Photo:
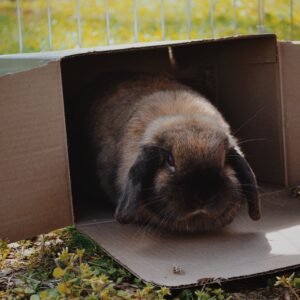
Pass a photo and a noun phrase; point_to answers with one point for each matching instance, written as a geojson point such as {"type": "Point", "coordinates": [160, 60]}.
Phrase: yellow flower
{"type": "Point", "coordinates": [58, 272]}
{"type": "Point", "coordinates": [44, 295]}
{"type": "Point", "coordinates": [85, 270]}
{"type": "Point", "coordinates": [80, 252]}
{"type": "Point", "coordinates": [64, 255]}
{"type": "Point", "coordinates": [105, 295]}
{"type": "Point", "coordinates": [62, 288]}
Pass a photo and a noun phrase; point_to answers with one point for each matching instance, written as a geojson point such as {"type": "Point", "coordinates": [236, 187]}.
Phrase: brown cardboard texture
{"type": "Point", "coordinates": [34, 180]}
{"type": "Point", "coordinates": [251, 79]}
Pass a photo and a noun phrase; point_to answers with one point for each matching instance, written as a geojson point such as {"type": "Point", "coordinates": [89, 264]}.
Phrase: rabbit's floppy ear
{"type": "Point", "coordinates": [140, 179]}
{"type": "Point", "coordinates": [247, 180]}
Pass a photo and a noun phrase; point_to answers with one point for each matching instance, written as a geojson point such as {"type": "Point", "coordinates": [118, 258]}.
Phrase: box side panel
{"type": "Point", "coordinates": [243, 79]}
{"type": "Point", "coordinates": [290, 80]}
{"type": "Point", "coordinates": [249, 98]}
{"type": "Point", "coordinates": [34, 178]}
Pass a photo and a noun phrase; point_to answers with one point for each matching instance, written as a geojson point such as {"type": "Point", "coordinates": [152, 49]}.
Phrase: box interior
{"type": "Point", "coordinates": [237, 75]}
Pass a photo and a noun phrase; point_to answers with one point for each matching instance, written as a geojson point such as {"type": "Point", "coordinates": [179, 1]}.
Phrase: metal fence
{"type": "Point", "coordinates": [261, 28]}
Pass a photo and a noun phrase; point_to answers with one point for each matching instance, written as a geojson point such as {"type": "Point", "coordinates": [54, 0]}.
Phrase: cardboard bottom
{"type": "Point", "coordinates": [243, 249]}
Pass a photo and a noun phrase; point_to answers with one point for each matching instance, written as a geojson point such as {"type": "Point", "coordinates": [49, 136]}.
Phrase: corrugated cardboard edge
{"type": "Point", "coordinates": [56, 55]}
{"type": "Point", "coordinates": [66, 149]}
{"type": "Point", "coordinates": [283, 121]}
{"type": "Point", "coordinates": [19, 64]}
{"type": "Point", "coordinates": [164, 44]}
{"type": "Point", "coordinates": [64, 130]}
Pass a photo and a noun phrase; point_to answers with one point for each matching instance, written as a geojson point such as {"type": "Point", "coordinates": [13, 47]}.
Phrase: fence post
{"type": "Point", "coordinates": [135, 22]}
{"type": "Point", "coordinates": [107, 18]}
{"type": "Point", "coordinates": [292, 18]}
{"type": "Point", "coordinates": [79, 35]}
{"type": "Point", "coordinates": [188, 12]}
{"type": "Point", "coordinates": [234, 17]}
{"type": "Point", "coordinates": [162, 19]}
{"type": "Point", "coordinates": [49, 25]}
{"type": "Point", "coordinates": [212, 25]}
{"type": "Point", "coordinates": [261, 16]}
{"type": "Point", "coordinates": [20, 34]}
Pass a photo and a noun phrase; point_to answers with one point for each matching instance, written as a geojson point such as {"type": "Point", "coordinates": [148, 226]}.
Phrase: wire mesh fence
{"type": "Point", "coordinates": [42, 25]}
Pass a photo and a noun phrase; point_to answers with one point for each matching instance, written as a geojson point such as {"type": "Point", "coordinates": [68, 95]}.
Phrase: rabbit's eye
{"type": "Point", "coordinates": [170, 162]}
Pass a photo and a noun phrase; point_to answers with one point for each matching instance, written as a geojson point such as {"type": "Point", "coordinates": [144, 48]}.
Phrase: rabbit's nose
{"type": "Point", "coordinates": [206, 200]}
{"type": "Point", "coordinates": [205, 193]}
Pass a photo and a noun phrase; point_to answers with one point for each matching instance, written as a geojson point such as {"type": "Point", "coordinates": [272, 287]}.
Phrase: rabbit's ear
{"type": "Point", "coordinates": [140, 180]}
{"type": "Point", "coordinates": [247, 180]}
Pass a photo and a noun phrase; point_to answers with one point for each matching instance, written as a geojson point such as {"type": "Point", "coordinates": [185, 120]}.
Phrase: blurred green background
{"type": "Point", "coordinates": [65, 33]}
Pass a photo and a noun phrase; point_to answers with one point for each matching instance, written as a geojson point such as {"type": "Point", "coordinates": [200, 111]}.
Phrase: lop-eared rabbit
{"type": "Point", "coordinates": [165, 156]}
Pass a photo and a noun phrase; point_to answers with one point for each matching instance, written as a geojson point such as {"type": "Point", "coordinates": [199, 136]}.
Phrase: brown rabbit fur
{"type": "Point", "coordinates": [166, 157]}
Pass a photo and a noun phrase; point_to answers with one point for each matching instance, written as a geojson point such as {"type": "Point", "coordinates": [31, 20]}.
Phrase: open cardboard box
{"type": "Point", "coordinates": [254, 81]}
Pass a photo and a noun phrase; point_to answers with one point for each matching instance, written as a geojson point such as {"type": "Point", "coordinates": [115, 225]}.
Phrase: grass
{"type": "Point", "coordinates": [65, 33]}
{"type": "Point", "coordinates": [67, 265]}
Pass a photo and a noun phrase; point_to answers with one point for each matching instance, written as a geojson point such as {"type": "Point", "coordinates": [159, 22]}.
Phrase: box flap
{"type": "Point", "coordinates": [290, 74]}
{"type": "Point", "coordinates": [34, 178]}
{"type": "Point", "coordinates": [243, 249]}
{"type": "Point", "coordinates": [20, 63]}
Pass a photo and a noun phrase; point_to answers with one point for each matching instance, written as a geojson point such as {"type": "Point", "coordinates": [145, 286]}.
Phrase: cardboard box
{"type": "Point", "coordinates": [254, 82]}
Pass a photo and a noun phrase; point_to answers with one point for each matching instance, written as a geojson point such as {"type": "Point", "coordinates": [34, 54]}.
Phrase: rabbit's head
{"type": "Point", "coordinates": [189, 175]}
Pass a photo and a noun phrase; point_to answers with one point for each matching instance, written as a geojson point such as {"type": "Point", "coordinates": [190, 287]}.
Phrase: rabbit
{"type": "Point", "coordinates": [165, 156]}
